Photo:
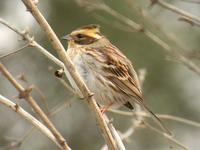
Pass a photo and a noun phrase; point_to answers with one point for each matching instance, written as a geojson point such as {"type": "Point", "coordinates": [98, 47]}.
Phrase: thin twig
{"type": "Point", "coordinates": [131, 130]}
{"type": "Point", "coordinates": [61, 106]}
{"type": "Point", "coordinates": [169, 35]}
{"type": "Point", "coordinates": [14, 51]}
{"type": "Point", "coordinates": [192, 1]}
{"type": "Point", "coordinates": [24, 93]}
{"type": "Point", "coordinates": [172, 38]}
{"type": "Point", "coordinates": [42, 98]}
{"type": "Point", "coordinates": [67, 87]}
{"type": "Point", "coordinates": [162, 116]}
{"type": "Point", "coordinates": [16, 143]}
{"type": "Point", "coordinates": [115, 134]}
{"type": "Point", "coordinates": [176, 10]}
{"type": "Point", "coordinates": [190, 21]}
{"type": "Point", "coordinates": [73, 73]}
{"type": "Point", "coordinates": [25, 35]}
{"type": "Point", "coordinates": [15, 107]}
{"type": "Point", "coordinates": [166, 136]}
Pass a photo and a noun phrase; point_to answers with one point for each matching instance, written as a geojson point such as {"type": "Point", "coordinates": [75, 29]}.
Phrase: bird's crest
{"type": "Point", "coordinates": [91, 30]}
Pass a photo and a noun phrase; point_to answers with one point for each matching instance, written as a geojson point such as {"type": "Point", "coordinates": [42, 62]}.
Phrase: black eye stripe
{"type": "Point", "coordinates": [80, 35]}
{"type": "Point", "coordinates": [84, 39]}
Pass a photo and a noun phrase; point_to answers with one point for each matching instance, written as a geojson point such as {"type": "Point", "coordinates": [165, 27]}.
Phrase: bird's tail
{"type": "Point", "coordinates": [157, 120]}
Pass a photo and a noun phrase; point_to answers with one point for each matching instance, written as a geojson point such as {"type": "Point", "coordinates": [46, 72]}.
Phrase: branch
{"type": "Point", "coordinates": [189, 21]}
{"type": "Point", "coordinates": [31, 42]}
{"type": "Point", "coordinates": [15, 107]}
{"type": "Point", "coordinates": [176, 10]}
{"type": "Point", "coordinates": [162, 116]}
{"type": "Point", "coordinates": [73, 73]}
{"type": "Point", "coordinates": [24, 93]}
{"type": "Point", "coordinates": [192, 1]}
{"type": "Point", "coordinates": [14, 51]}
{"type": "Point", "coordinates": [167, 136]}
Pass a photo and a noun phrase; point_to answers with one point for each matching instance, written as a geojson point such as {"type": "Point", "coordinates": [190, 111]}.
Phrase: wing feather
{"type": "Point", "coordinates": [118, 69]}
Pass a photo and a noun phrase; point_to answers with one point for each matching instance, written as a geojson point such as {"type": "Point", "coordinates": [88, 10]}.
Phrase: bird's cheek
{"type": "Point", "coordinates": [71, 44]}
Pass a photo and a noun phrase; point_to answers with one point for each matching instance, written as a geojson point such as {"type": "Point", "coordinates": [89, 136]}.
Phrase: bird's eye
{"type": "Point", "coordinates": [80, 36]}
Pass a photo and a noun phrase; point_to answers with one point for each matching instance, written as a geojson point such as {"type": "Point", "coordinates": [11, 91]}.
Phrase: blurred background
{"type": "Point", "coordinates": [169, 88]}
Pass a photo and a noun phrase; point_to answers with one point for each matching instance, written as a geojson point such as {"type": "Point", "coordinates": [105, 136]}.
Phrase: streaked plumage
{"type": "Point", "coordinates": [106, 71]}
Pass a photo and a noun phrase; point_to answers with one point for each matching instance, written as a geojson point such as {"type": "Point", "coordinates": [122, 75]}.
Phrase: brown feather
{"type": "Point", "coordinates": [112, 74]}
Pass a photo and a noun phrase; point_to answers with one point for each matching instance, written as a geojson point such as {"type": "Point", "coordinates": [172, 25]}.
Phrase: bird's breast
{"type": "Point", "coordinates": [79, 60]}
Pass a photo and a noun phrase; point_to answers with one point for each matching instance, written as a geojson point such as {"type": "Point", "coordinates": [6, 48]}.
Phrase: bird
{"type": "Point", "coordinates": [106, 71]}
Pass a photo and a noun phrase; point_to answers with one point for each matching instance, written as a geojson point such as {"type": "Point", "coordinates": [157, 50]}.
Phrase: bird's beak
{"type": "Point", "coordinates": [67, 37]}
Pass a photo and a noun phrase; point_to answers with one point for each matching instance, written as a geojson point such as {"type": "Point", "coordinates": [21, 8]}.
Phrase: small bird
{"type": "Point", "coordinates": [107, 72]}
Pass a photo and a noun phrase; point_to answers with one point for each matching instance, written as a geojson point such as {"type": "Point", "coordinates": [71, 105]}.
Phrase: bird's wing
{"type": "Point", "coordinates": [118, 70]}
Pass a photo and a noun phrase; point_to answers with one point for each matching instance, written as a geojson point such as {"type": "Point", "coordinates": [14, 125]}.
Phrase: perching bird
{"type": "Point", "coordinates": [107, 72]}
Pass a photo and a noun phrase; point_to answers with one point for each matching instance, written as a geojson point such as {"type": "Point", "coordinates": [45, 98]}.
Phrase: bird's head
{"type": "Point", "coordinates": [85, 35]}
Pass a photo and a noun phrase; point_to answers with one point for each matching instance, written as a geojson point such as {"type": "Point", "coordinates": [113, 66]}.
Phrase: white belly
{"type": "Point", "coordinates": [81, 68]}
{"type": "Point", "coordinates": [102, 94]}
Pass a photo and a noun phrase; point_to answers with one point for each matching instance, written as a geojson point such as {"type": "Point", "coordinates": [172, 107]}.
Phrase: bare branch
{"type": "Point", "coordinates": [176, 10]}
{"type": "Point", "coordinates": [14, 51]}
{"type": "Point", "coordinates": [24, 93]}
{"type": "Point", "coordinates": [131, 130]}
{"type": "Point", "coordinates": [162, 116]}
{"type": "Point", "coordinates": [15, 107]}
{"type": "Point", "coordinates": [190, 21]}
{"type": "Point", "coordinates": [25, 35]}
{"type": "Point", "coordinates": [73, 73]}
{"type": "Point", "coordinates": [167, 136]}
{"type": "Point", "coordinates": [115, 134]}
{"type": "Point", "coordinates": [191, 1]}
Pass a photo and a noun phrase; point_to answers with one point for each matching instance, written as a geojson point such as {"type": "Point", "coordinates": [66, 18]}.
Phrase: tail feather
{"type": "Point", "coordinates": [157, 120]}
